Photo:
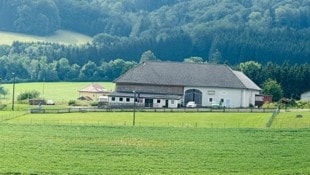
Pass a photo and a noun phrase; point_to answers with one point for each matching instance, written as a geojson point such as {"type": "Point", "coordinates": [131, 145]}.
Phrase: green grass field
{"type": "Point", "coordinates": [161, 143]}
{"type": "Point", "coordinates": [55, 149]}
{"type": "Point", "coordinates": [60, 36]}
{"type": "Point", "coordinates": [289, 120]}
{"type": "Point", "coordinates": [145, 119]}
{"type": "Point", "coordinates": [60, 92]}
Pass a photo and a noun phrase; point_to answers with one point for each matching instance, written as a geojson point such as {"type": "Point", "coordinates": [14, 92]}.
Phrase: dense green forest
{"type": "Point", "coordinates": [261, 30]}
{"type": "Point", "coordinates": [273, 33]}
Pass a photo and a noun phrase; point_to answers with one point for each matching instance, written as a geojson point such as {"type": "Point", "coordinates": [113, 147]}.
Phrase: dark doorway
{"type": "Point", "coordinates": [193, 95]}
{"type": "Point", "coordinates": [167, 104]}
{"type": "Point", "coordinates": [148, 102]}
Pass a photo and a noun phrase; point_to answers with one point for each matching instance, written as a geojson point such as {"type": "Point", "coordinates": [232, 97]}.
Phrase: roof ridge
{"type": "Point", "coordinates": [129, 70]}
{"type": "Point", "coordinates": [178, 62]}
{"type": "Point", "coordinates": [185, 74]}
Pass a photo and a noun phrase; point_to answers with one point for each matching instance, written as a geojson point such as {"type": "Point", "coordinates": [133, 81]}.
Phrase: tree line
{"type": "Point", "coordinates": [274, 34]}
{"type": "Point", "coordinates": [293, 79]}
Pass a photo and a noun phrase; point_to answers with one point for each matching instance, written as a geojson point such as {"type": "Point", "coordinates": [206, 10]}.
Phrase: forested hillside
{"type": "Point", "coordinates": [273, 33]}
{"type": "Point", "coordinates": [262, 30]}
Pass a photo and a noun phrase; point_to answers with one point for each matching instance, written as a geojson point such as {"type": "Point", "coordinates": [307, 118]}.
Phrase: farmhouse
{"type": "Point", "coordinates": [92, 92]}
{"type": "Point", "coordinates": [174, 84]}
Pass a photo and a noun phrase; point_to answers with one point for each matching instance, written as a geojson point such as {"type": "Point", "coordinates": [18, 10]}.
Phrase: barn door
{"type": "Point", "coordinates": [193, 95]}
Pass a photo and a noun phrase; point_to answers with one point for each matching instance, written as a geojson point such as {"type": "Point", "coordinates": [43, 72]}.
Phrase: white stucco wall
{"type": "Point", "coordinates": [157, 103]}
{"type": "Point", "coordinates": [305, 96]}
{"type": "Point", "coordinates": [117, 100]}
{"type": "Point", "coordinates": [174, 103]}
{"type": "Point", "coordinates": [162, 103]}
{"type": "Point", "coordinates": [232, 97]}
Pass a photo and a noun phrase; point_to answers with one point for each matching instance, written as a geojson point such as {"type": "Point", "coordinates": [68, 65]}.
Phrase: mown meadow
{"type": "Point", "coordinates": [150, 119]}
{"type": "Point", "coordinates": [60, 36]}
{"type": "Point", "coordinates": [160, 143]}
{"type": "Point", "coordinates": [65, 149]}
{"type": "Point", "coordinates": [60, 92]}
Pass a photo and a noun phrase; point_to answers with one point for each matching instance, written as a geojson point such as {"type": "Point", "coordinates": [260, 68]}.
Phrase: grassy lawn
{"type": "Point", "coordinates": [205, 119]}
{"type": "Point", "coordinates": [60, 149]}
{"type": "Point", "coordinates": [289, 120]}
{"type": "Point", "coordinates": [60, 92]}
{"type": "Point", "coordinates": [161, 143]}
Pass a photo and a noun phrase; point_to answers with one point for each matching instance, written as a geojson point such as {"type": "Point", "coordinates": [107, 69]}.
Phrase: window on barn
{"type": "Point", "coordinates": [158, 101]}
{"type": "Point", "coordinates": [127, 99]}
{"type": "Point", "coordinates": [121, 99]}
{"type": "Point", "coordinates": [113, 98]}
{"type": "Point", "coordinates": [210, 99]}
{"type": "Point", "coordinates": [211, 92]}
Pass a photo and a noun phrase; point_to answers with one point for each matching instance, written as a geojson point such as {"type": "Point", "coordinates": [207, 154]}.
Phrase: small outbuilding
{"type": "Point", "coordinates": [93, 92]}
{"type": "Point", "coordinates": [305, 96]}
{"type": "Point", "coordinates": [261, 99]}
{"type": "Point", "coordinates": [37, 102]}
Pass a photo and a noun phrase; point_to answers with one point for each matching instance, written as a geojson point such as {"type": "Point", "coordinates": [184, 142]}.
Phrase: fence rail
{"type": "Point", "coordinates": [94, 109]}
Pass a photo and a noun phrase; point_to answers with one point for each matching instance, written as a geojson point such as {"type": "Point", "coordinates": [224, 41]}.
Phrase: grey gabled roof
{"type": "Point", "coordinates": [247, 82]}
{"type": "Point", "coordinates": [186, 74]}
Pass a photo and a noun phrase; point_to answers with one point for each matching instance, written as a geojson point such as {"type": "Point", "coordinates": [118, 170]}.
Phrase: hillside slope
{"type": "Point", "coordinates": [220, 31]}
{"type": "Point", "coordinates": [60, 36]}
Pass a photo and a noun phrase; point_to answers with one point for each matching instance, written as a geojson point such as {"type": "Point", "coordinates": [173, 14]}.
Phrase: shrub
{"type": "Point", "coordinates": [3, 106]}
{"type": "Point", "coordinates": [72, 103]}
{"type": "Point", "coordinates": [28, 95]}
{"type": "Point", "coordinates": [269, 105]}
{"type": "Point", "coordinates": [94, 103]}
{"type": "Point", "coordinates": [303, 104]}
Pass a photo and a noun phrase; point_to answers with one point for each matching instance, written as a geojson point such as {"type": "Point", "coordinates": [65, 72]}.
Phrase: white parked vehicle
{"type": "Point", "coordinates": [191, 104]}
{"type": "Point", "coordinates": [215, 104]}
{"type": "Point", "coordinates": [50, 102]}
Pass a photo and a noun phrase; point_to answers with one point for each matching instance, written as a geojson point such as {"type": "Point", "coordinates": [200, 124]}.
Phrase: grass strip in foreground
{"type": "Point", "coordinates": [54, 149]}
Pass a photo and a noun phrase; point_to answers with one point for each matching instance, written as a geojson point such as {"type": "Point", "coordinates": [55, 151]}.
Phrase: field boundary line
{"type": "Point", "coordinates": [272, 117]}
{"type": "Point", "coordinates": [94, 109]}
{"type": "Point", "coordinates": [13, 116]}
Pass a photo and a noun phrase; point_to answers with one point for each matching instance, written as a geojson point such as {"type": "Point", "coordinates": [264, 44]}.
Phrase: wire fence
{"type": "Point", "coordinates": [254, 125]}
{"type": "Point", "coordinates": [95, 109]}
{"type": "Point", "coordinates": [272, 118]}
{"type": "Point", "coordinates": [198, 124]}
{"type": "Point", "coordinates": [9, 116]}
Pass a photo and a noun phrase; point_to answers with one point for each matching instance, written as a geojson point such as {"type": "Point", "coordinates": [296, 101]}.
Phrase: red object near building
{"type": "Point", "coordinates": [262, 99]}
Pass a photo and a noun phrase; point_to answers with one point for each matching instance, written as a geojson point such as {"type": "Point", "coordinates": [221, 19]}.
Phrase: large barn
{"type": "Point", "coordinates": [174, 84]}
